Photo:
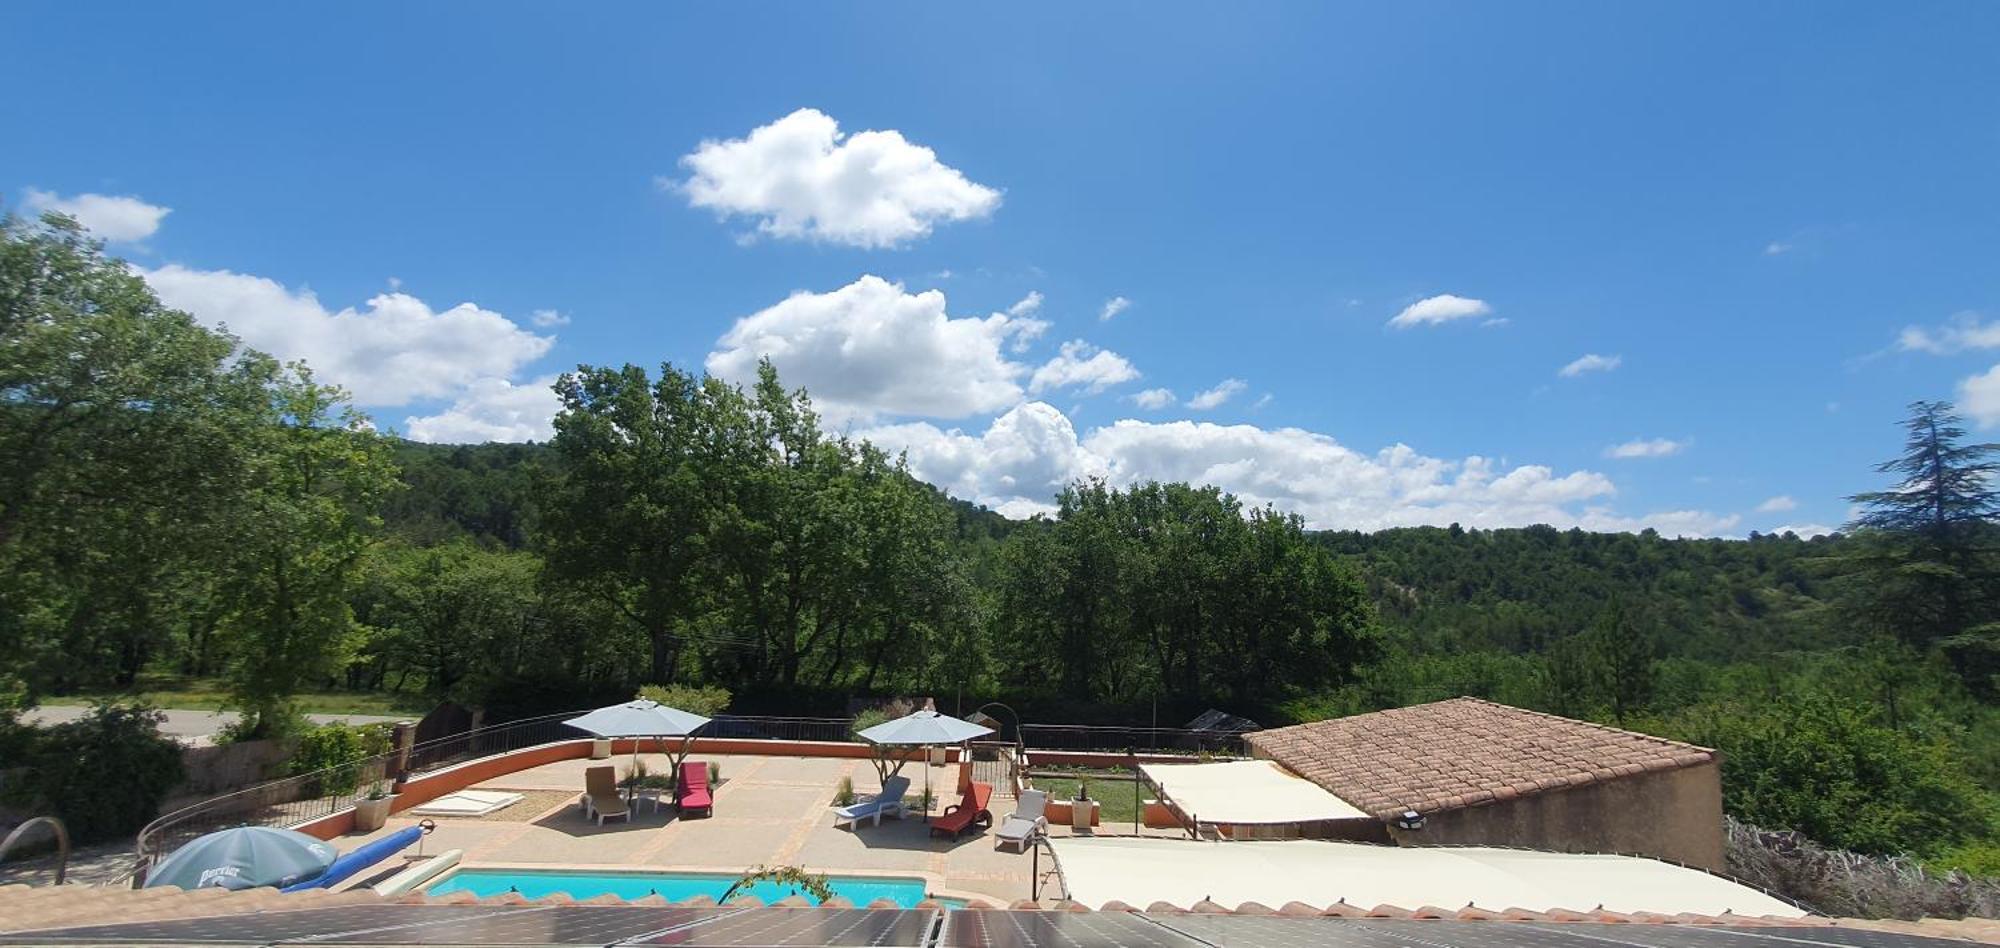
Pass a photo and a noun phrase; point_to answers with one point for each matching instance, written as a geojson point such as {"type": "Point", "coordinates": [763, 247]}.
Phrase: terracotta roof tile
{"type": "Point", "coordinates": [1463, 752]}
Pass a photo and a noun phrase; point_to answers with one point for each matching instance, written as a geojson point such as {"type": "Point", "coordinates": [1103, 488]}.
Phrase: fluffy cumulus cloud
{"type": "Point", "coordinates": [1436, 310]}
{"type": "Point", "coordinates": [1018, 463]}
{"type": "Point", "coordinates": [1112, 307]}
{"type": "Point", "coordinates": [116, 218]}
{"type": "Point", "coordinates": [1962, 332]}
{"type": "Point", "coordinates": [392, 350]}
{"type": "Point", "coordinates": [1778, 504]}
{"type": "Point", "coordinates": [1027, 327]}
{"type": "Point", "coordinates": [801, 178]}
{"type": "Point", "coordinates": [1646, 448]}
{"type": "Point", "coordinates": [1154, 398]}
{"type": "Point", "coordinates": [1081, 365]}
{"type": "Point", "coordinates": [491, 410]}
{"type": "Point", "coordinates": [1979, 397]}
{"type": "Point", "coordinates": [1214, 397]}
{"type": "Point", "coordinates": [1806, 531]}
{"type": "Point", "coordinates": [872, 348]}
{"type": "Point", "coordinates": [1590, 362]}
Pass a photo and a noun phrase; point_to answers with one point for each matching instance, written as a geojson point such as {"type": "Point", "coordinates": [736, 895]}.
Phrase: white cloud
{"type": "Point", "coordinates": [1777, 504]}
{"type": "Point", "coordinates": [120, 219]}
{"type": "Point", "coordinates": [1439, 309]}
{"type": "Point", "coordinates": [1027, 328]}
{"type": "Point", "coordinates": [1776, 247]}
{"type": "Point", "coordinates": [492, 410]}
{"type": "Point", "coordinates": [871, 348]}
{"type": "Point", "coordinates": [1214, 397]}
{"type": "Point", "coordinates": [800, 178]}
{"type": "Point", "coordinates": [548, 318]}
{"type": "Point", "coordinates": [1154, 398]}
{"type": "Point", "coordinates": [1646, 448]}
{"type": "Point", "coordinates": [1495, 323]}
{"type": "Point", "coordinates": [1963, 331]}
{"type": "Point", "coordinates": [1028, 454]}
{"type": "Point", "coordinates": [1806, 531]}
{"type": "Point", "coordinates": [1979, 397]}
{"type": "Point", "coordinates": [1112, 307]}
{"type": "Point", "coordinates": [393, 350]}
{"type": "Point", "coordinates": [1081, 365]}
{"type": "Point", "coordinates": [1590, 362]}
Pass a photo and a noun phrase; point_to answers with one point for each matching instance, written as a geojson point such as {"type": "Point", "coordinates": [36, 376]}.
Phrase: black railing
{"type": "Point", "coordinates": [1144, 740]}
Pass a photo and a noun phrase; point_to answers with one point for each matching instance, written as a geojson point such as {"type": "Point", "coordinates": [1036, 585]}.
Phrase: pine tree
{"type": "Point", "coordinates": [1926, 571]}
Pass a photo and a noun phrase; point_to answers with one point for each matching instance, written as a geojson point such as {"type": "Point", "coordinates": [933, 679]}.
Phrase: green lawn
{"type": "Point", "coordinates": [1114, 797]}
{"type": "Point", "coordinates": [207, 694]}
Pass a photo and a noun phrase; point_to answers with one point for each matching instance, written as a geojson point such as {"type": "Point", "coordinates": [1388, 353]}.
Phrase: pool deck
{"type": "Point", "coordinates": [769, 811]}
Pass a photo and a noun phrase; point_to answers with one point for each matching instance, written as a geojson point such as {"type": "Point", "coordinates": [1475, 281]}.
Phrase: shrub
{"type": "Point", "coordinates": [705, 700]}
{"type": "Point", "coordinates": [714, 773]}
{"type": "Point", "coordinates": [337, 749]}
{"type": "Point", "coordinates": [843, 793]}
{"type": "Point", "coordinates": [103, 775]}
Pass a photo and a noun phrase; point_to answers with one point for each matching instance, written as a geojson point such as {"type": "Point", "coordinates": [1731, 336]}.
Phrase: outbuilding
{"type": "Point", "coordinates": [1472, 772]}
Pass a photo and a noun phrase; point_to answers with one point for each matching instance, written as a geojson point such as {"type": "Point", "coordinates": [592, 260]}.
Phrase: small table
{"type": "Point", "coordinates": [647, 794]}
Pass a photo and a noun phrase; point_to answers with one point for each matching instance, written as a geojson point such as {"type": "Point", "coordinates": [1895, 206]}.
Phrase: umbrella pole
{"type": "Point", "coordinates": [927, 782]}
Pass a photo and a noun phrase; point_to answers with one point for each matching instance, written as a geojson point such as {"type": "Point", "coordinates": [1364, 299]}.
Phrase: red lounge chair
{"type": "Point", "coordinates": [691, 790]}
{"type": "Point", "coordinates": [969, 811]}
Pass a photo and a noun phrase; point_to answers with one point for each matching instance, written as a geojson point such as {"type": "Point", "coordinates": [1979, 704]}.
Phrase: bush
{"type": "Point", "coordinates": [103, 775]}
{"type": "Point", "coordinates": [339, 750]}
{"type": "Point", "coordinates": [843, 793]}
{"type": "Point", "coordinates": [705, 700]}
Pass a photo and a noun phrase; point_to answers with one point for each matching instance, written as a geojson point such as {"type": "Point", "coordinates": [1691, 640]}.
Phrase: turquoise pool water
{"type": "Point", "coordinates": [675, 886]}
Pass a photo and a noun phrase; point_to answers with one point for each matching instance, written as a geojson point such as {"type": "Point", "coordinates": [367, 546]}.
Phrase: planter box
{"type": "Point", "coordinates": [600, 748]}
{"type": "Point", "coordinates": [369, 815]}
{"type": "Point", "coordinates": [1068, 811]}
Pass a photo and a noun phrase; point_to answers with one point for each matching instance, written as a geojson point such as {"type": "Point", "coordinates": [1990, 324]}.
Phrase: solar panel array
{"type": "Point", "coordinates": [489, 926]}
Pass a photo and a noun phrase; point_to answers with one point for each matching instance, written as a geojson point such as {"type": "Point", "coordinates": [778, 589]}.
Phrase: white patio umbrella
{"type": "Point", "coordinates": [926, 728]}
{"type": "Point", "coordinates": [642, 718]}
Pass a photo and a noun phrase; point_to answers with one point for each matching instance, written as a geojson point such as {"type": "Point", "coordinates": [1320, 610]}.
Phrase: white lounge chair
{"type": "Point", "coordinates": [890, 800]}
{"type": "Point", "coordinates": [1026, 821]}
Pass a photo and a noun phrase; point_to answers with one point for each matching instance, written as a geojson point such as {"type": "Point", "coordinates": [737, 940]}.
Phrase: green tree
{"type": "Point", "coordinates": [1925, 571]}
{"type": "Point", "coordinates": [317, 477]}
{"type": "Point", "coordinates": [125, 444]}
{"type": "Point", "coordinates": [441, 612]}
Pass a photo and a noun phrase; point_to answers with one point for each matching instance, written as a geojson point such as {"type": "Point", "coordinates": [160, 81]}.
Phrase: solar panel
{"type": "Point", "coordinates": [1710, 936]}
{"type": "Point", "coordinates": [822, 928]}
{"type": "Point", "coordinates": [258, 928]}
{"type": "Point", "coordinates": [580, 925]}
{"type": "Point", "coordinates": [985, 928]}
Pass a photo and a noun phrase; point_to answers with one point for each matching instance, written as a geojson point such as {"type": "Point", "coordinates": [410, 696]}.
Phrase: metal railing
{"type": "Point", "coordinates": [1149, 740]}
{"type": "Point", "coordinates": [302, 798]}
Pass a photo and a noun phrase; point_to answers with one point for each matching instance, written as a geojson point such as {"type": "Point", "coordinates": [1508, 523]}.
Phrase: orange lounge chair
{"type": "Point", "coordinates": [691, 790]}
{"type": "Point", "coordinates": [969, 811]}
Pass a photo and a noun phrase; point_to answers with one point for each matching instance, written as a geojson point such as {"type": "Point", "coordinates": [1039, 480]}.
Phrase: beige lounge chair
{"type": "Point", "coordinates": [600, 796]}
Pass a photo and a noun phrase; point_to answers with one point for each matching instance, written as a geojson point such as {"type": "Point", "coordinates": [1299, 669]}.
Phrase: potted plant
{"type": "Point", "coordinates": [600, 748]}
{"type": "Point", "coordinates": [372, 810]}
{"type": "Point", "coordinates": [1082, 810]}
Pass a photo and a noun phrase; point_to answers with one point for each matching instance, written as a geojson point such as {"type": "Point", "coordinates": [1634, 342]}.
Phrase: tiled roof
{"type": "Point", "coordinates": [1463, 752]}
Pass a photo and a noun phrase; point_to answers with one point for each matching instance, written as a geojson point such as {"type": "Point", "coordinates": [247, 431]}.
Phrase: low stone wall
{"type": "Point", "coordinates": [217, 769]}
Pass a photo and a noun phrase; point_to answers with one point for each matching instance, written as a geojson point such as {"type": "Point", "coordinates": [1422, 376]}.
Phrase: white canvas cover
{"type": "Point", "coordinates": [1143, 870]}
{"type": "Point", "coordinates": [1246, 792]}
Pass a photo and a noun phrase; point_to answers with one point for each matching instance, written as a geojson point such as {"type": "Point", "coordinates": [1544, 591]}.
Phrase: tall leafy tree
{"type": "Point", "coordinates": [317, 478]}
{"type": "Point", "coordinates": [127, 433]}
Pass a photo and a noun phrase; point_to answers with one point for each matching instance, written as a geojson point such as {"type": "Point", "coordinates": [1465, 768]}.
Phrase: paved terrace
{"type": "Point", "coordinates": [772, 811]}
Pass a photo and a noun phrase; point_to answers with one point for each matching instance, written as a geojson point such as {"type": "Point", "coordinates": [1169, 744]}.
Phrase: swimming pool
{"type": "Point", "coordinates": [674, 886]}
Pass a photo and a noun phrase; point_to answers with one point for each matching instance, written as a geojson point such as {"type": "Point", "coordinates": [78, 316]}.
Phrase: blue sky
{"type": "Point", "coordinates": [1780, 220]}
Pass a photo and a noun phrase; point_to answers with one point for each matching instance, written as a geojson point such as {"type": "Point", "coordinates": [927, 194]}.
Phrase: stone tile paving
{"type": "Point", "coordinates": [768, 811]}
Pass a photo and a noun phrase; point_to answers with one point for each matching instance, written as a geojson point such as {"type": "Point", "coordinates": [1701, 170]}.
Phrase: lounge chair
{"type": "Point", "coordinates": [890, 800]}
{"type": "Point", "coordinates": [600, 796]}
{"type": "Point", "coordinates": [1026, 821]}
{"type": "Point", "coordinates": [691, 790]}
{"type": "Point", "coordinates": [969, 811]}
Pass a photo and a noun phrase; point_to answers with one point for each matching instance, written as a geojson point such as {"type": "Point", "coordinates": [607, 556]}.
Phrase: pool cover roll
{"type": "Point", "coordinates": [360, 859]}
